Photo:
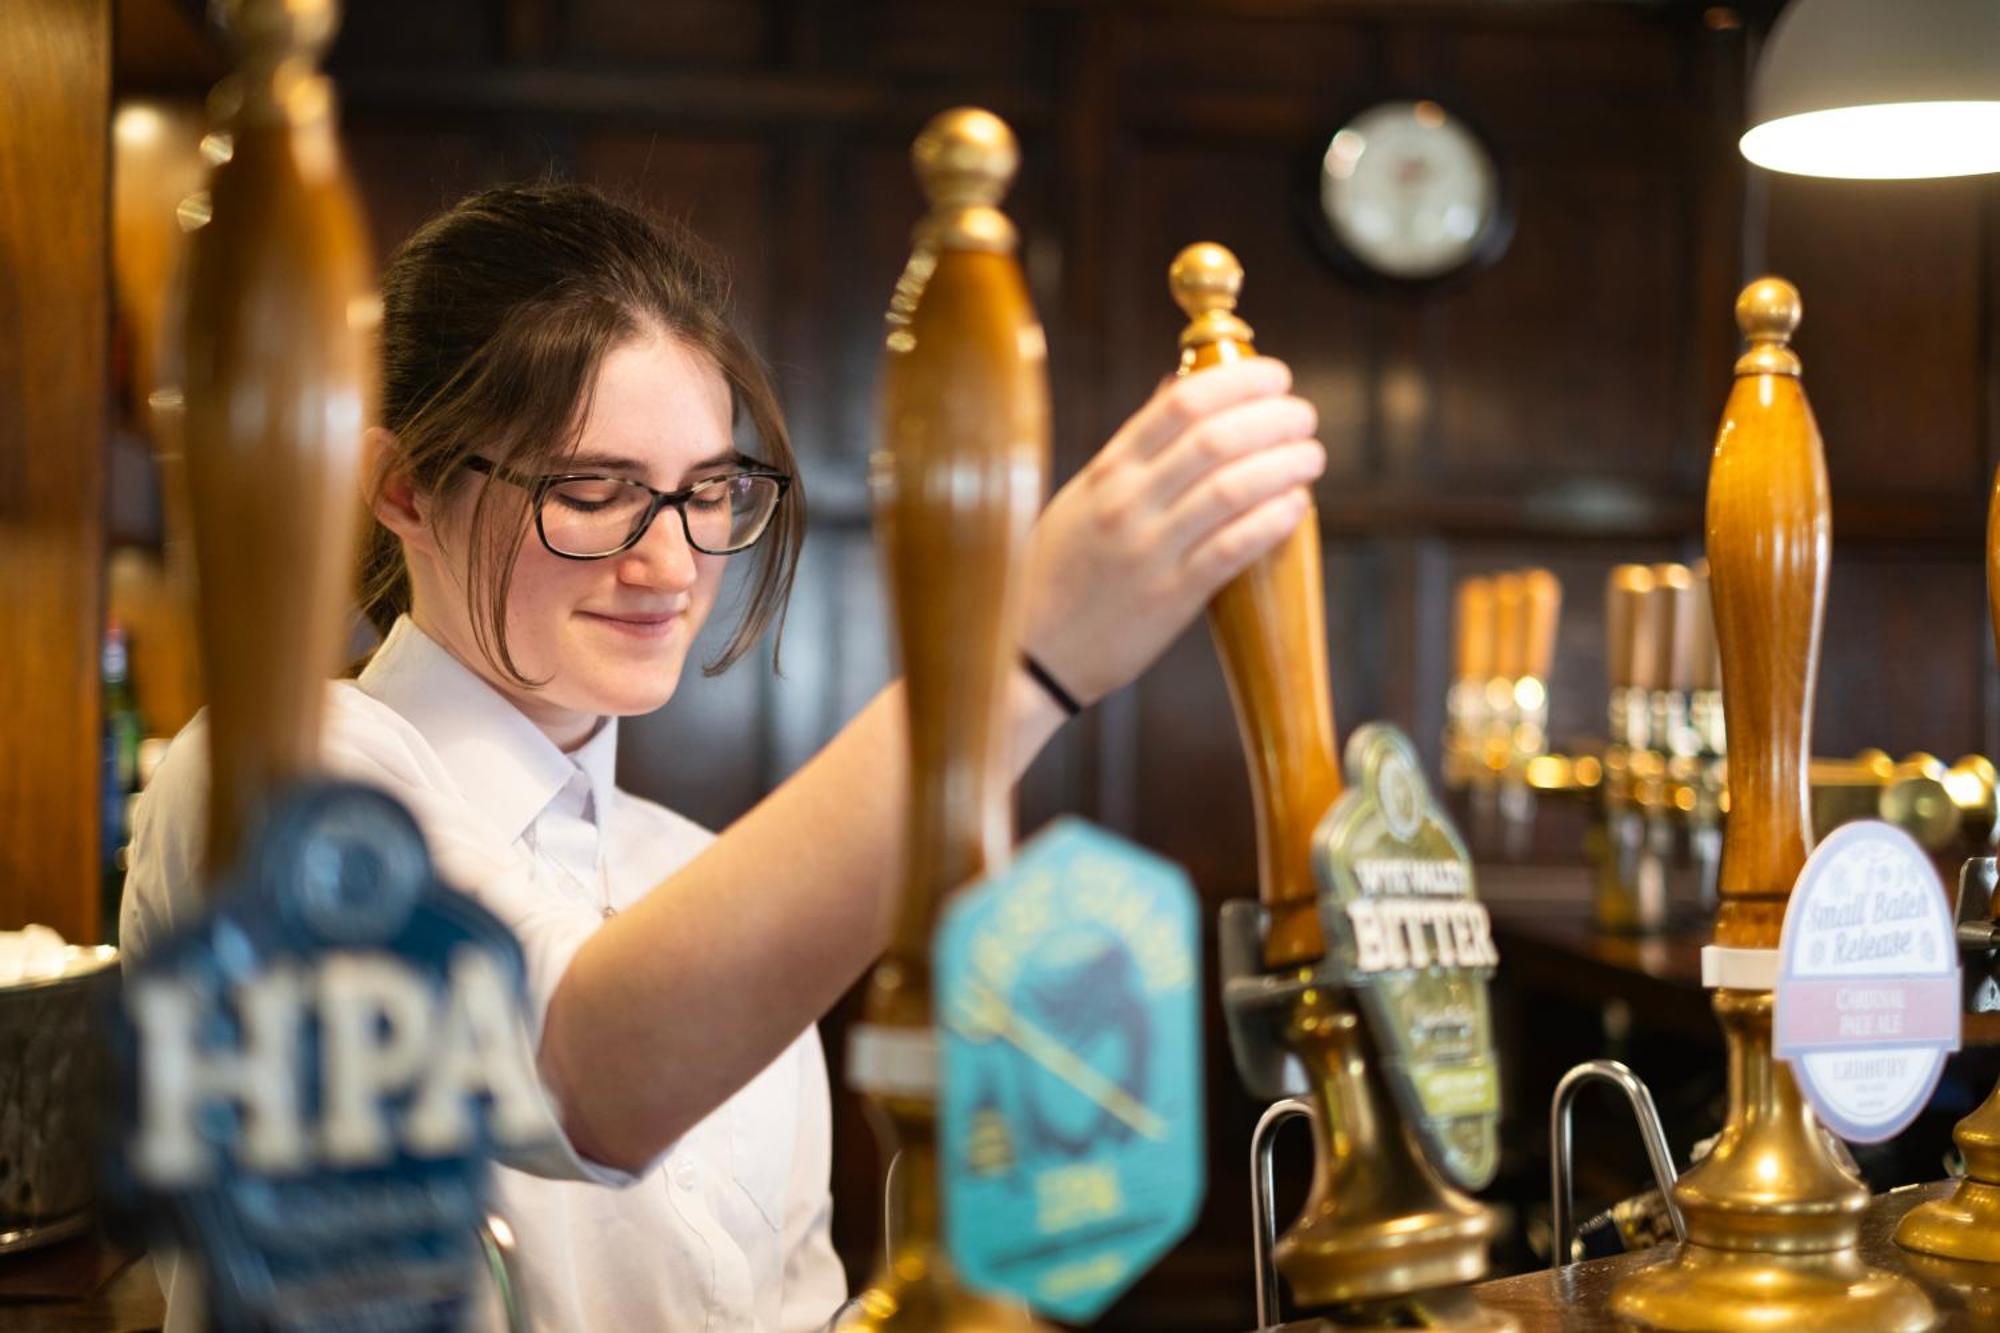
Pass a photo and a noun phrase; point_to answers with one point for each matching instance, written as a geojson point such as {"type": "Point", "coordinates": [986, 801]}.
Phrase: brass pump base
{"type": "Point", "coordinates": [1772, 1217]}
{"type": "Point", "coordinates": [916, 1290]}
{"type": "Point", "coordinates": [1976, 1285]}
{"type": "Point", "coordinates": [1383, 1241]}
{"type": "Point", "coordinates": [918, 1297]}
{"type": "Point", "coordinates": [1707, 1290]}
{"type": "Point", "coordinates": [1966, 1226]}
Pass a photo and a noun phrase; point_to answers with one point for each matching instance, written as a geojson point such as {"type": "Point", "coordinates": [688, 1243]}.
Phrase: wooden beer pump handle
{"type": "Point", "coordinates": [1625, 625]}
{"type": "Point", "coordinates": [1473, 630]}
{"type": "Point", "coordinates": [278, 387]}
{"type": "Point", "coordinates": [1269, 624]}
{"type": "Point", "coordinates": [1510, 612]}
{"type": "Point", "coordinates": [1541, 612]}
{"type": "Point", "coordinates": [1993, 557]}
{"type": "Point", "coordinates": [1768, 540]}
{"type": "Point", "coordinates": [962, 469]}
{"type": "Point", "coordinates": [1701, 653]}
{"type": "Point", "coordinates": [1672, 609]}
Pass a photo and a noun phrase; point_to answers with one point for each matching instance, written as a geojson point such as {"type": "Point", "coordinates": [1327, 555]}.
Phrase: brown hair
{"type": "Point", "coordinates": [496, 316]}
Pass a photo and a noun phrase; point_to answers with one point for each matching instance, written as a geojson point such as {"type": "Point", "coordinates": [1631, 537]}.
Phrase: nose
{"type": "Point", "coordinates": [662, 557]}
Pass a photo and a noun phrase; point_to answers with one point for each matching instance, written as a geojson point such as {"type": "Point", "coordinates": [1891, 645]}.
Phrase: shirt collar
{"type": "Point", "coordinates": [503, 763]}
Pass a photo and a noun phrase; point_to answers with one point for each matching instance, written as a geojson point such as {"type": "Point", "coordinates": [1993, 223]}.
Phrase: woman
{"type": "Point", "coordinates": [558, 375]}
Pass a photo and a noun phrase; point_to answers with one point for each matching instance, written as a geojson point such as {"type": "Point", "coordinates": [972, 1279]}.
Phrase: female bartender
{"type": "Point", "coordinates": [557, 490]}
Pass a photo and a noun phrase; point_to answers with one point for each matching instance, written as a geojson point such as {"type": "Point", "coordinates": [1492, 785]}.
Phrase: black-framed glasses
{"type": "Point", "coordinates": [583, 516]}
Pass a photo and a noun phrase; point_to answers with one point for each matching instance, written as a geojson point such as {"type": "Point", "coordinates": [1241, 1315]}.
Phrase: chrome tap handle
{"type": "Point", "coordinates": [1562, 1171]}
{"type": "Point", "coordinates": [1263, 1192]}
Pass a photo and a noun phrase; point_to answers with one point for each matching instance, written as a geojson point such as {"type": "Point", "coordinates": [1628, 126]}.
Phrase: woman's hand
{"type": "Point", "coordinates": [1211, 473]}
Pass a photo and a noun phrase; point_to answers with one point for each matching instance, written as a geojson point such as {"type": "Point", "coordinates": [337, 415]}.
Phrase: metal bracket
{"type": "Point", "coordinates": [1255, 1002]}
{"type": "Point", "coordinates": [1263, 1193]}
{"type": "Point", "coordinates": [1560, 1147]}
{"type": "Point", "coordinates": [1977, 932]}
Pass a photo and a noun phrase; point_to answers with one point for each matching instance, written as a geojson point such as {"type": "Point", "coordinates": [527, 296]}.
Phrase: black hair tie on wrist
{"type": "Point", "coordinates": [1051, 686]}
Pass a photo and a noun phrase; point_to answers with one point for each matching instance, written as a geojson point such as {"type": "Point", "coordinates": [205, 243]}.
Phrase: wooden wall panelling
{"type": "Point", "coordinates": [1566, 358]}
{"type": "Point", "coordinates": [723, 187]}
{"type": "Point", "coordinates": [406, 173]}
{"type": "Point", "coordinates": [1903, 653]}
{"type": "Point", "coordinates": [1891, 274]}
{"type": "Point", "coordinates": [421, 38]}
{"type": "Point", "coordinates": [686, 33]}
{"type": "Point", "coordinates": [55, 136]}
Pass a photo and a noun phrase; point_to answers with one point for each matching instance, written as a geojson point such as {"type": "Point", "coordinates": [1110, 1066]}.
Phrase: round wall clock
{"type": "Point", "coordinates": [1410, 193]}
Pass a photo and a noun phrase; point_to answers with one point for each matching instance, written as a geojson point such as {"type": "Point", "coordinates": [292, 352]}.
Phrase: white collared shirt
{"type": "Point", "coordinates": [728, 1231]}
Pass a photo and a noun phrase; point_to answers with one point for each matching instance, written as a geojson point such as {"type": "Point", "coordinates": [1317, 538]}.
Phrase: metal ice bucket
{"type": "Point", "coordinates": [52, 1096]}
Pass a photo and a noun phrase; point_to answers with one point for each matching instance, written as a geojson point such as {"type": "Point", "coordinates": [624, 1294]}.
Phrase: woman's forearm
{"type": "Point", "coordinates": [682, 999]}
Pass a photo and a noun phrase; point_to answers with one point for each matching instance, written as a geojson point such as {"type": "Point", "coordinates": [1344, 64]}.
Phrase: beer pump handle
{"type": "Point", "coordinates": [1672, 608]}
{"type": "Point", "coordinates": [274, 412]}
{"type": "Point", "coordinates": [1541, 597]}
{"type": "Point", "coordinates": [1993, 557]}
{"type": "Point", "coordinates": [1769, 530]}
{"type": "Point", "coordinates": [1510, 638]}
{"type": "Point", "coordinates": [1473, 631]}
{"type": "Point", "coordinates": [1625, 596]}
{"type": "Point", "coordinates": [1269, 624]}
{"type": "Point", "coordinates": [1707, 667]}
{"type": "Point", "coordinates": [961, 471]}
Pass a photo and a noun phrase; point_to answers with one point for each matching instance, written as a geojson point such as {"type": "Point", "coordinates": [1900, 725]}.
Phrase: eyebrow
{"type": "Point", "coordinates": [620, 464]}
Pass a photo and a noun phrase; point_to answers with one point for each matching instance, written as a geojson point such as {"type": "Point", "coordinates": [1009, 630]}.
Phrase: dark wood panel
{"type": "Point", "coordinates": [1616, 68]}
{"type": "Point", "coordinates": [407, 173]}
{"type": "Point", "coordinates": [1191, 54]}
{"type": "Point", "coordinates": [55, 108]}
{"type": "Point", "coordinates": [1903, 658]}
{"type": "Point", "coordinates": [686, 33]}
{"type": "Point", "coordinates": [1895, 358]}
{"type": "Point", "coordinates": [1568, 357]}
{"type": "Point", "coordinates": [918, 38]}
{"type": "Point", "coordinates": [720, 187]}
{"type": "Point", "coordinates": [434, 34]}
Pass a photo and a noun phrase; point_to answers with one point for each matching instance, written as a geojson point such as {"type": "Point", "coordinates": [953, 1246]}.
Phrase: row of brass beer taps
{"type": "Point", "coordinates": [1658, 780]}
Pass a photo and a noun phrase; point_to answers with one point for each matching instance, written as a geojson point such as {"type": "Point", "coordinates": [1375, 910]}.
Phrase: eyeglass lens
{"type": "Point", "coordinates": [599, 515]}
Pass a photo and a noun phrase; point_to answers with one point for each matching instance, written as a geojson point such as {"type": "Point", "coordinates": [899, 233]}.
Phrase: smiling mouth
{"type": "Point", "coordinates": [640, 625]}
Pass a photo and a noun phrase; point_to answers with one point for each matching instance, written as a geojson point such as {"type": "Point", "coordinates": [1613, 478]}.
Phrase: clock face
{"type": "Point", "coordinates": [1410, 191]}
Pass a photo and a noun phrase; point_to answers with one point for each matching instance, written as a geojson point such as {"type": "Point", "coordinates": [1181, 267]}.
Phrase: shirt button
{"type": "Point", "coordinates": [684, 1173]}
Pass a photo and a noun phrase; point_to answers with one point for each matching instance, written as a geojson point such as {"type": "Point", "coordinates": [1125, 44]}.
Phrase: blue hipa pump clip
{"type": "Point", "coordinates": [316, 1073]}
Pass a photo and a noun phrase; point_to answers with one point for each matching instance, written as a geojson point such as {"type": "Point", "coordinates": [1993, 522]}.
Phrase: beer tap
{"type": "Point", "coordinates": [1384, 1240]}
{"type": "Point", "coordinates": [1503, 711]}
{"type": "Point", "coordinates": [1465, 707]}
{"type": "Point", "coordinates": [1528, 692]}
{"type": "Point", "coordinates": [1668, 795]}
{"type": "Point", "coordinates": [1622, 903]}
{"type": "Point", "coordinates": [1772, 1217]}
{"type": "Point", "coordinates": [964, 458]}
{"type": "Point", "coordinates": [1958, 1238]}
{"type": "Point", "coordinates": [1711, 741]}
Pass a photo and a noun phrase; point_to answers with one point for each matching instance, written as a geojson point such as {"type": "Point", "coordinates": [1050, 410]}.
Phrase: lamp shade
{"type": "Point", "coordinates": [1879, 89]}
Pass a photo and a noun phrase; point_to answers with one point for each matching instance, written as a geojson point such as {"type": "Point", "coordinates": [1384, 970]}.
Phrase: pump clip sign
{"type": "Point", "coordinates": [1411, 939]}
{"type": "Point", "coordinates": [316, 1072]}
{"type": "Point", "coordinates": [1867, 1003]}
